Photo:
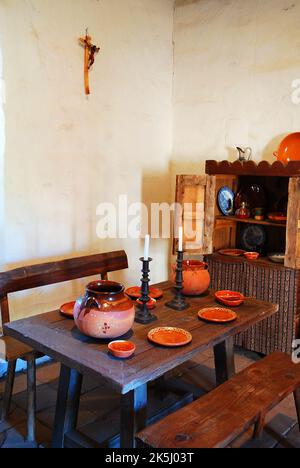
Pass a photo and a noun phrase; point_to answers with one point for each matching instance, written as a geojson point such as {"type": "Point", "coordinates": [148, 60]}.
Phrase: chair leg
{"type": "Point", "coordinates": [259, 427]}
{"type": "Point", "coordinates": [297, 403]}
{"type": "Point", "coordinates": [9, 385]}
{"type": "Point", "coordinates": [31, 399]}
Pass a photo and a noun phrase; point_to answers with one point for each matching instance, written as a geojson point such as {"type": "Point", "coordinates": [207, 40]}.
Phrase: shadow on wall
{"type": "Point", "coordinates": [156, 188]}
{"type": "Point", "coordinates": [2, 149]}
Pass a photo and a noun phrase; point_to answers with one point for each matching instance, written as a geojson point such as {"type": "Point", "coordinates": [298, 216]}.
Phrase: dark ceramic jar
{"type": "Point", "coordinates": [104, 311]}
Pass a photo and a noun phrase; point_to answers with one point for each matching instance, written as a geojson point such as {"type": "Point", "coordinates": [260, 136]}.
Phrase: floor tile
{"type": "Point", "coordinates": [48, 372]}
{"type": "Point", "coordinates": [46, 398]}
{"type": "Point", "coordinates": [292, 439]}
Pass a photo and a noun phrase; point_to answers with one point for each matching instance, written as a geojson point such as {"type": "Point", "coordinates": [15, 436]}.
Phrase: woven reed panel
{"type": "Point", "coordinates": [277, 285]}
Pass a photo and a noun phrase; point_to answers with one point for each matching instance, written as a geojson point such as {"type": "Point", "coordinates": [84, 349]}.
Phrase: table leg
{"type": "Point", "coordinates": [67, 405]}
{"type": "Point", "coordinates": [224, 361]}
{"type": "Point", "coordinates": [133, 415]}
{"type": "Point", "coordinates": [31, 398]}
{"type": "Point", "coordinates": [297, 403]}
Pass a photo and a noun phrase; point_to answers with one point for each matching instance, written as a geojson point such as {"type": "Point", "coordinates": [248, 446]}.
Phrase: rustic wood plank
{"type": "Point", "coordinates": [4, 308]}
{"type": "Point", "coordinates": [59, 338]}
{"type": "Point", "coordinates": [249, 168]}
{"type": "Point", "coordinates": [35, 276]}
{"type": "Point", "coordinates": [292, 231]}
{"type": "Point", "coordinates": [219, 417]}
{"type": "Point", "coordinates": [210, 213]}
{"type": "Point", "coordinates": [192, 189]}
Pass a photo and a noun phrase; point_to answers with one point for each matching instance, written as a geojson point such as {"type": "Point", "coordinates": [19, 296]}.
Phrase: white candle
{"type": "Point", "coordinates": [180, 246]}
{"type": "Point", "coordinates": [146, 248]}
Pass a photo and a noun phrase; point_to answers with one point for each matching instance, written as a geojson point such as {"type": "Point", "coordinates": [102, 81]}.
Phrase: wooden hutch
{"type": "Point", "coordinates": [261, 278]}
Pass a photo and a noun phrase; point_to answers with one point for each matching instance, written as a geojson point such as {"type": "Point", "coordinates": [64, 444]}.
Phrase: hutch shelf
{"type": "Point", "coordinates": [207, 230]}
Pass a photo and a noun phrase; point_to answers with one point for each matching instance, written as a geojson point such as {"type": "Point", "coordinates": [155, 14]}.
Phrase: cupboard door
{"type": "Point", "coordinates": [292, 254]}
{"type": "Point", "coordinates": [225, 230]}
{"type": "Point", "coordinates": [195, 211]}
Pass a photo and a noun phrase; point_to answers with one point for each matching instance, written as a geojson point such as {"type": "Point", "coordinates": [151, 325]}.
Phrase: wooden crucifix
{"type": "Point", "coordinates": [89, 58]}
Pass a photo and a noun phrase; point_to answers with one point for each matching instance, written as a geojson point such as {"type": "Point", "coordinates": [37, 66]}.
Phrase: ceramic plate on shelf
{"type": "Point", "coordinates": [68, 309]}
{"type": "Point", "coordinates": [253, 237]}
{"type": "Point", "coordinates": [217, 315]}
{"type": "Point", "coordinates": [135, 292]}
{"type": "Point", "coordinates": [277, 217]}
{"type": "Point", "coordinates": [169, 336]}
{"type": "Point", "coordinates": [232, 252]}
{"type": "Point", "coordinates": [226, 201]}
{"type": "Point", "coordinates": [277, 257]}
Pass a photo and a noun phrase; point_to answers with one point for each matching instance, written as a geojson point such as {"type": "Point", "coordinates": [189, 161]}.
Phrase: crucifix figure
{"type": "Point", "coordinates": [89, 58]}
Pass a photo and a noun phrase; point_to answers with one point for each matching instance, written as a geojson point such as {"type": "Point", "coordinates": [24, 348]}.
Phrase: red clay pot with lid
{"type": "Point", "coordinates": [196, 277]}
{"type": "Point", "coordinates": [104, 311]}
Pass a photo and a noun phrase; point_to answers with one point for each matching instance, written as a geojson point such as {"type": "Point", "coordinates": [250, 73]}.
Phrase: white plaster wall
{"type": "Point", "coordinates": [235, 61]}
{"type": "Point", "coordinates": [2, 148]}
{"type": "Point", "coordinates": [64, 152]}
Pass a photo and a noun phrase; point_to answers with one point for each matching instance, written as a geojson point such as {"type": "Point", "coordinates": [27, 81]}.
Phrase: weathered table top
{"type": "Point", "coordinates": [58, 337]}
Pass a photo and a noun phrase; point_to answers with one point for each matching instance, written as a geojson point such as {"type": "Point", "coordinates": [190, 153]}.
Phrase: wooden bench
{"type": "Point", "coordinates": [35, 276]}
{"type": "Point", "coordinates": [219, 417]}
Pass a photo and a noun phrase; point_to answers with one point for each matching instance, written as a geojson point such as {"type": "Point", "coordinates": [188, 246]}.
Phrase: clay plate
{"type": "Point", "coordinates": [135, 292]}
{"type": "Point", "coordinates": [217, 315]}
{"type": "Point", "coordinates": [121, 349]}
{"type": "Point", "coordinates": [277, 217]}
{"type": "Point", "coordinates": [232, 252]}
{"type": "Point", "coordinates": [68, 309]}
{"type": "Point", "coordinates": [169, 336]}
{"type": "Point", "coordinates": [150, 305]}
{"type": "Point", "coordinates": [230, 298]}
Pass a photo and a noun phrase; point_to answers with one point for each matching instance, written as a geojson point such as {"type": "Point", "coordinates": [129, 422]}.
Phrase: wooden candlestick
{"type": "Point", "coordinates": [143, 314]}
{"type": "Point", "coordinates": [178, 303]}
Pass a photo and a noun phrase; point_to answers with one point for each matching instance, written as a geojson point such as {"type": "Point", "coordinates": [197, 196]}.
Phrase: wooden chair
{"type": "Point", "coordinates": [218, 418]}
{"type": "Point", "coordinates": [30, 277]}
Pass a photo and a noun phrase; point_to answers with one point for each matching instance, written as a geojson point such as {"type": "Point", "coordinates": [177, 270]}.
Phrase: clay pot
{"type": "Point", "coordinates": [196, 278]}
{"type": "Point", "coordinates": [105, 311]}
{"type": "Point", "coordinates": [289, 148]}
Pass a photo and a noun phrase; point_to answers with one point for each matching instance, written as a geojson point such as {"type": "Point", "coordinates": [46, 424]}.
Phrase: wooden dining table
{"type": "Point", "coordinates": [58, 337]}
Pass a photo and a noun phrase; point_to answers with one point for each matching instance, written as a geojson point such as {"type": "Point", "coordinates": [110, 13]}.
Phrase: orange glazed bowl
{"type": "Point", "coordinates": [121, 349]}
{"type": "Point", "coordinates": [196, 277]}
{"type": "Point", "coordinates": [230, 298]}
{"type": "Point", "coordinates": [251, 255]}
{"type": "Point", "coordinates": [289, 148]}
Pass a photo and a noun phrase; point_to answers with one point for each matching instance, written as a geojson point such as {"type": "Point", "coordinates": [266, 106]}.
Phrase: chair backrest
{"type": "Point", "coordinates": [43, 274]}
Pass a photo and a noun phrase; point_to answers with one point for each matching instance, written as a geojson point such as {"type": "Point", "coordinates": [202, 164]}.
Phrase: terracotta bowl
{"type": "Point", "coordinates": [121, 349]}
{"type": "Point", "coordinates": [289, 148]}
{"type": "Point", "coordinates": [230, 298]}
{"type": "Point", "coordinates": [251, 255]}
{"type": "Point", "coordinates": [196, 278]}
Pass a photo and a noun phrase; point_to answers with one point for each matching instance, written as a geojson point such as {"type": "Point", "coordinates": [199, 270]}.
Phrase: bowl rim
{"type": "Point", "coordinates": [111, 347]}
{"type": "Point", "coordinates": [91, 287]}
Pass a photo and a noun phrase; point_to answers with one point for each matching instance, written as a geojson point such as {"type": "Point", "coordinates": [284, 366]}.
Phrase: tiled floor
{"type": "Point", "coordinates": [99, 415]}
